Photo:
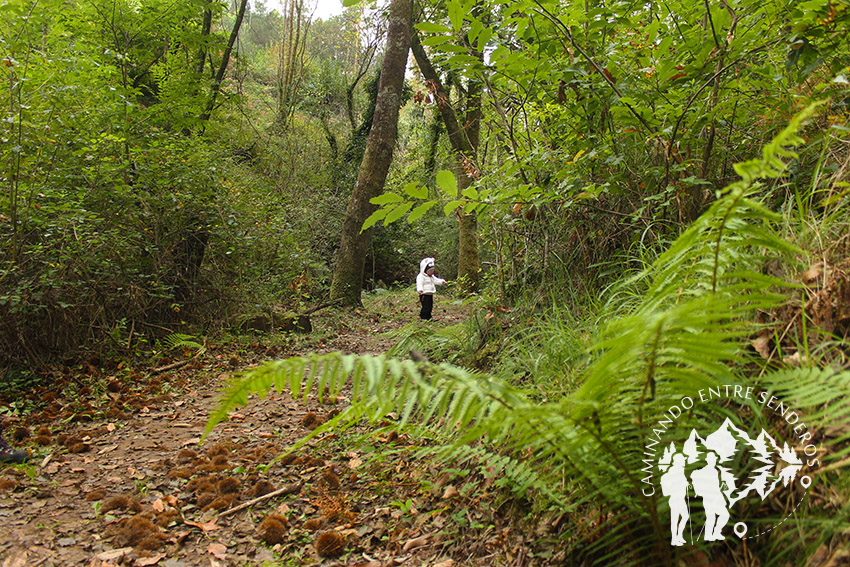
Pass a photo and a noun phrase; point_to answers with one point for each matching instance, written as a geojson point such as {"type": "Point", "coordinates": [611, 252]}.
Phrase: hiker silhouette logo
{"type": "Point", "coordinates": [704, 477]}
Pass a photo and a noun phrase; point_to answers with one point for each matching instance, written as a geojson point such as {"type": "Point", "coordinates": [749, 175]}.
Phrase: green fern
{"type": "Point", "coordinates": [179, 340]}
{"type": "Point", "coordinates": [584, 451]}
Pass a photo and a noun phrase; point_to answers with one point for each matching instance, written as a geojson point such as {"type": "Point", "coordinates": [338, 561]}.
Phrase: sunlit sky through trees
{"type": "Point", "coordinates": [324, 9]}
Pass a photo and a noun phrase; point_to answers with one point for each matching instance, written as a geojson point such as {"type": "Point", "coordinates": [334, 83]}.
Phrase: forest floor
{"type": "Point", "coordinates": [117, 476]}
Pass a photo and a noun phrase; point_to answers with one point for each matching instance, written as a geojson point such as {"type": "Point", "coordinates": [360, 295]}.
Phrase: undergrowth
{"type": "Point", "coordinates": [680, 326]}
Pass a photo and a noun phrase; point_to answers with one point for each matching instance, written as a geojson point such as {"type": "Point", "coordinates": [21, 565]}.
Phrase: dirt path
{"type": "Point", "coordinates": [136, 489]}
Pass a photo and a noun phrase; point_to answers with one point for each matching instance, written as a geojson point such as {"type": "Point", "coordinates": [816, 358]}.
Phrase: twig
{"type": "Point", "coordinates": [287, 489]}
{"type": "Point", "coordinates": [171, 366]}
{"type": "Point", "coordinates": [322, 306]}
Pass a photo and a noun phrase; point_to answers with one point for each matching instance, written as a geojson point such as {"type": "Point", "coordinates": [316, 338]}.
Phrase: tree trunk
{"type": "Point", "coordinates": [464, 141]}
{"type": "Point", "coordinates": [225, 61]}
{"type": "Point", "coordinates": [348, 272]}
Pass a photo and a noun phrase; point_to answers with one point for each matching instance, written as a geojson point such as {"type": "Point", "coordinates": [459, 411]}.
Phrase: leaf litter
{"type": "Point", "coordinates": [140, 491]}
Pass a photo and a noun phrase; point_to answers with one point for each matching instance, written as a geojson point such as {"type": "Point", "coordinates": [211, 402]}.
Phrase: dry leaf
{"type": "Point", "coordinates": [761, 345]}
{"type": "Point", "coordinates": [810, 275]}
{"type": "Point", "coordinates": [354, 463]}
{"type": "Point", "coordinates": [416, 542]}
{"type": "Point", "coordinates": [446, 563]}
{"type": "Point", "coordinates": [147, 561]}
{"type": "Point", "coordinates": [795, 360]}
{"type": "Point", "coordinates": [18, 559]}
{"type": "Point", "coordinates": [110, 427]}
{"type": "Point", "coordinates": [171, 500]}
{"type": "Point", "coordinates": [158, 505]}
{"type": "Point", "coordinates": [218, 551]}
{"type": "Point", "coordinates": [450, 492]}
{"type": "Point", "coordinates": [114, 554]}
{"type": "Point", "coordinates": [204, 526]}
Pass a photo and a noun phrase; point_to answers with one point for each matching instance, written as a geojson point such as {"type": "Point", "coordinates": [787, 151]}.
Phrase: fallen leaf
{"type": "Point", "coordinates": [416, 542]}
{"type": "Point", "coordinates": [158, 505]}
{"type": "Point", "coordinates": [45, 461]}
{"type": "Point", "coordinates": [114, 554]}
{"type": "Point", "coordinates": [761, 345]}
{"type": "Point", "coordinates": [192, 441]}
{"type": "Point", "coordinates": [204, 526]}
{"type": "Point", "coordinates": [218, 551]}
{"type": "Point", "coordinates": [354, 463]}
{"type": "Point", "coordinates": [110, 427]}
{"type": "Point", "coordinates": [147, 561]}
{"type": "Point", "coordinates": [171, 500]}
{"type": "Point", "coordinates": [17, 559]}
{"type": "Point", "coordinates": [450, 492]}
{"type": "Point", "coordinates": [810, 275]}
{"type": "Point", "coordinates": [795, 359]}
{"type": "Point", "coordinates": [446, 563]}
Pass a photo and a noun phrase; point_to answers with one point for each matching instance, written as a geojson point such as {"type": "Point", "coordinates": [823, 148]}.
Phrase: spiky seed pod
{"type": "Point", "coordinates": [115, 503]}
{"type": "Point", "coordinates": [273, 529]}
{"type": "Point", "coordinates": [261, 488]}
{"type": "Point", "coordinates": [330, 479]}
{"type": "Point", "coordinates": [95, 495]}
{"type": "Point", "coordinates": [20, 433]}
{"type": "Point", "coordinates": [79, 448]}
{"type": "Point", "coordinates": [330, 544]}
{"type": "Point", "coordinates": [310, 421]}
{"type": "Point", "coordinates": [228, 486]}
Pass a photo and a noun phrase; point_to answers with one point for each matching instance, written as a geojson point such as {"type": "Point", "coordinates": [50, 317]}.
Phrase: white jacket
{"type": "Point", "coordinates": [425, 283]}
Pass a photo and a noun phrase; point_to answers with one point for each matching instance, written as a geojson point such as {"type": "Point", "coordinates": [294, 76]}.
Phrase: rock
{"type": "Point", "coordinates": [287, 322]}
{"type": "Point", "coordinates": [297, 324]}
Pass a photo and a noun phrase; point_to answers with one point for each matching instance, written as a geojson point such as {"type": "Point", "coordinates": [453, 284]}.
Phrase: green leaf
{"type": "Point", "coordinates": [452, 205]}
{"type": "Point", "coordinates": [470, 193]}
{"type": "Point", "coordinates": [350, 3]}
{"type": "Point", "coordinates": [455, 14]}
{"type": "Point", "coordinates": [374, 218]}
{"type": "Point", "coordinates": [463, 59]}
{"type": "Point", "coordinates": [419, 211]}
{"type": "Point", "coordinates": [429, 27]}
{"type": "Point", "coordinates": [484, 38]}
{"type": "Point", "coordinates": [416, 191]}
{"type": "Point", "coordinates": [447, 182]}
{"type": "Point", "coordinates": [385, 199]}
{"type": "Point", "coordinates": [397, 213]}
{"type": "Point", "coordinates": [436, 40]}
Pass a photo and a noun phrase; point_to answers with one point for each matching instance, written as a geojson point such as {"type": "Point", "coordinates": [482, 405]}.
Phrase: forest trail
{"type": "Point", "coordinates": [136, 489]}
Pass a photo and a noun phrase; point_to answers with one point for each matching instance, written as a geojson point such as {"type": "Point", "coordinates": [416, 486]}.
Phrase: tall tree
{"type": "Point", "coordinates": [225, 61]}
{"type": "Point", "coordinates": [292, 59]}
{"type": "Point", "coordinates": [463, 132]}
{"type": "Point", "coordinates": [348, 272]}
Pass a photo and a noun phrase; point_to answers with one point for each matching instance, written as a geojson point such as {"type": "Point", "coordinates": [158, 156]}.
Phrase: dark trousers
{"type": "Point", "coordinates": [427, 301]}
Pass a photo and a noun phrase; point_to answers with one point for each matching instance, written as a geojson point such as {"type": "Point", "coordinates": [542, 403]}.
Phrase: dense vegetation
{"type": "Point", "coordinates": [184, 167]}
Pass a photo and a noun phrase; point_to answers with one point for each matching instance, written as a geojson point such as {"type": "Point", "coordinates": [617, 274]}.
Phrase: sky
{"type": "Point", "coordinates": [325, 8]}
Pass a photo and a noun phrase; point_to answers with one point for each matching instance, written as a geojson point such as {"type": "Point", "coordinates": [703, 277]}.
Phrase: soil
{"type": "Point", "coordinates": [117, 475]}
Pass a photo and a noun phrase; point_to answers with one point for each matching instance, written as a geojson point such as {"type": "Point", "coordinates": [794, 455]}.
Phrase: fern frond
{"type": "Point", "coordinates": [683, 334]}
{"type": "Point", "coordinates": [180, 340]}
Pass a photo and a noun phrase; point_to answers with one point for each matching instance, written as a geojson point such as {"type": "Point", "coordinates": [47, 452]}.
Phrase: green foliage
{"type": "Point", "coordinates": [583, 451]}
{"type": "Point", "coordinates": [180, 340]}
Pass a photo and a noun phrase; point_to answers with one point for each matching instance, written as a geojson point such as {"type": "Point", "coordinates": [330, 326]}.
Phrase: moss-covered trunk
{"type": "Point", "coordinates": [348, 272]}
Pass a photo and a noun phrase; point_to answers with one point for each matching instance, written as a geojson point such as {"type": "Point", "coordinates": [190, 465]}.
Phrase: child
{"type": "Point", "coordinates": [426, 285]}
